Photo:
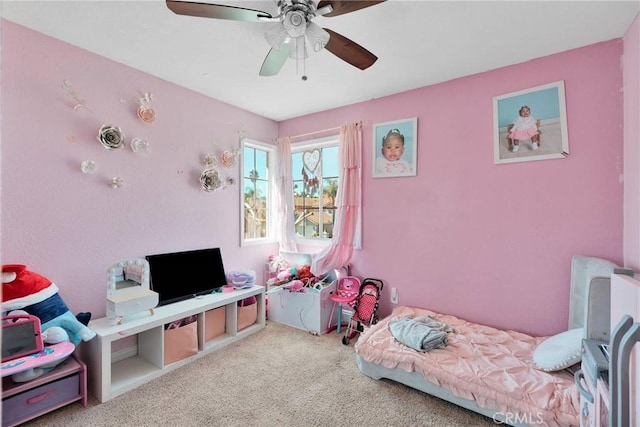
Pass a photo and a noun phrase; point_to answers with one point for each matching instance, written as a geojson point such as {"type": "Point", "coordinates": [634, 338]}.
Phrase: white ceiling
{"type": "Point", "coordinates": [418, 43]}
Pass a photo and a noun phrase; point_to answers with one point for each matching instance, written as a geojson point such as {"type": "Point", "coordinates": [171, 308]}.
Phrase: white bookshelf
{"type": "Point", "coordinates": [114, 373]}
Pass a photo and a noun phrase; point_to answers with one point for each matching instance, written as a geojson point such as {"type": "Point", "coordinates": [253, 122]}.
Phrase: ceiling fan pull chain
{"type": "Point", "coordinates": [304, 64]}
{"type": "Point", "coordinates": [297, 56]}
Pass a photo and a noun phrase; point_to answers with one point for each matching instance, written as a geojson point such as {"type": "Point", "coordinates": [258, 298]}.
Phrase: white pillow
{"type": "Point", "coordinates": [559, 351]}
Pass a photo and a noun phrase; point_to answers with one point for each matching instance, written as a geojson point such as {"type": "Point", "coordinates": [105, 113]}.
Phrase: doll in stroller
{"type": "Point", "coordinates": [365, 309]}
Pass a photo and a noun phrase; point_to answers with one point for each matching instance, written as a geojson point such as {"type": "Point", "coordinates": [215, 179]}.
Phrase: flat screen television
{"type": "Point", "coordinates": [178, 276]}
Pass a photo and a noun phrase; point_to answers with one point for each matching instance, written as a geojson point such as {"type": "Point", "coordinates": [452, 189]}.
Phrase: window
{"type": "Point", "coordinates": [256, 211]}
{"type": "Point", "coordinates": [314, 167]}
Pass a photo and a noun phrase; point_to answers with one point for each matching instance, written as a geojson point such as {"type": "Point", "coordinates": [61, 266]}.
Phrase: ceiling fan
{"type": "Point", "coordinates": [294, 30]}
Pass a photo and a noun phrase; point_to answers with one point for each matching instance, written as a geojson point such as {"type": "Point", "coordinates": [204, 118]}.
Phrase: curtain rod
{"type": "Point", "coordinates": [318, 131]}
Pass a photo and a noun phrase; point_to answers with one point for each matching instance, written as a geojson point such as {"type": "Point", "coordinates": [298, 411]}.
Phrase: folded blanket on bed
{"type": "Point", "coordinates": [420, 333]}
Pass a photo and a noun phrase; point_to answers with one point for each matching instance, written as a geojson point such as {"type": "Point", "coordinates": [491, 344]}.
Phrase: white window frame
{"type": "Point", "coordinates": [271, 171]}
{"type": "Point", "coordinates": [329, 141]}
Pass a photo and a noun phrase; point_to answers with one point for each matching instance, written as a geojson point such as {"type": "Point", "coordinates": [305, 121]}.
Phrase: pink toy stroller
{"type": "Point", "coordinates": [365, 309]}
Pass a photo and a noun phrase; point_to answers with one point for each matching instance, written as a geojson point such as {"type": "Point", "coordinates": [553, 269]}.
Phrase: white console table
{"type": "Point", "coordinates": [111, 376]}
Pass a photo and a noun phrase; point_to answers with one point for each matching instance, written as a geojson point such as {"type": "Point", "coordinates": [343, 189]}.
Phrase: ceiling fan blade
{"type": "Point", "coordinates": [341, 7]}
{"type": "Point", "coordinates": [349, 51]}
{"type": "Point", "coordinates": [217, 11]}
{"type": "Point", "coordinates": [275, 60]}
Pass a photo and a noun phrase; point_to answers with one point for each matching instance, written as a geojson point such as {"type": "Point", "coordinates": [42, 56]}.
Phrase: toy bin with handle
{"type": "Point", "coordinates": [247, 312]}
{"type": "Point", "coordinates": [180, 340]}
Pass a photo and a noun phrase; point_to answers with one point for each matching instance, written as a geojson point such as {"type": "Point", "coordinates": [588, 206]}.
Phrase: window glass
{"type": "Point", "coordinates": [261, 164]}
{"type": "Point", "coordinates": [315, 185]}
{"type": "Point", "coordinates": [330, 161]}
{"type": "Point", "coordinates": [314, 168]}
{"type": "Point", "coordinates": [296, 166]}
{"type": "Point", "coordinates": [256, 198]}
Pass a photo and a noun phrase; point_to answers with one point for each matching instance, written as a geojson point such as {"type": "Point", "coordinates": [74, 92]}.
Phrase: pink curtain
{"type": "Point", "coordinates": [284, 226]}
{"type": "Point", "coordinates": [347, 203]}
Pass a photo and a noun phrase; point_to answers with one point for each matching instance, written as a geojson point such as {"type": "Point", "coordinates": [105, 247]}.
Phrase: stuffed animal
{"type": "Point", "coordinates": [284, 276]}
{"type": "Point", "coordinates": [296, 286]}
{"type": "Point", "coordinates": [36, 295]}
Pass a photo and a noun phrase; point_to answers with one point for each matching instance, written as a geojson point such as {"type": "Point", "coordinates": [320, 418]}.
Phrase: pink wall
{"type": "Point", "coordinates": [631, 84]}
{"type": "Point", "coordinates": [493, 243]}
{"type": "Point", "coordinates": [69, 226]}
{"type": "Point", "coordinates": [490, 243]}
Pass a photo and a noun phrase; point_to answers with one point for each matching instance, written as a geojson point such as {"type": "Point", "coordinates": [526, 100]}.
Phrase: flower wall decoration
{"type": "Point", "coordinates": [145, 112]}
{"type": "Point", "coordinates": [111, 137]}
{"type": "Point", "coordinates": [73, 94]}
{"type": "Point", "coordinates": [228, 158]}
{"type": "Point", "coordinates": [210, 177]}
{"type": "Point", "coordinates": [139, 145]}
{"type": "Point", "coordinates": [116, 182]}
{"type": "Point", "coordinates": [210, 161]}
{"type": "Point", "coordinates": [89, 167]}
{"type": "Point", "coordinates": [210, 180]}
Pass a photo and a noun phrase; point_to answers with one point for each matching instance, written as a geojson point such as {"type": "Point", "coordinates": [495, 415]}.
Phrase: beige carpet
{"type": "Point", "coordinates": [280, 376]}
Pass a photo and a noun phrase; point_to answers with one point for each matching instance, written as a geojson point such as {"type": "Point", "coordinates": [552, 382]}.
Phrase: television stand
{"type": "Point", "coordinates": [112, 373]}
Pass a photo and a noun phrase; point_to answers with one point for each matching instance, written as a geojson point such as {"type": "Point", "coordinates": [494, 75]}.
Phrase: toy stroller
{"type": "Point", "coordinates": [365, 309]}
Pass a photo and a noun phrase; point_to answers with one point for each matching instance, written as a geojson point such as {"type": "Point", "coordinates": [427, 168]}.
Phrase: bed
{"type": "Point", "coordinates": [492, 371]}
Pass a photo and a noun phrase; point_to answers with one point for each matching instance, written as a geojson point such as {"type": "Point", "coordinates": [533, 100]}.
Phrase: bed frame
{"type": "Point", "coordinates": [589, 307]}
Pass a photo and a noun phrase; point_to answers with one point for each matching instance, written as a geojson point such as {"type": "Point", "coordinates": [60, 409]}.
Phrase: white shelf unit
{"type": "Point", "coordinates": [112, 374]}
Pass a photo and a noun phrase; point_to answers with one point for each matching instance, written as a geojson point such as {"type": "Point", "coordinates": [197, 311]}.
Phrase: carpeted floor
{"type": "Point", "coordinates": [280, 376]}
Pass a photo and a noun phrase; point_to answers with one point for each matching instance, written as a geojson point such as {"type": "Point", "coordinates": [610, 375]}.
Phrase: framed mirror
{"type": "Point", "coordinates": [128, 273]}
{"type": "Point", "coordinates": [128, 289]}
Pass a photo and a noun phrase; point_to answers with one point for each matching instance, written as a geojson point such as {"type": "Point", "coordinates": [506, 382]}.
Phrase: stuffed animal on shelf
{"type": "Point", "coordinates": [34, 294]}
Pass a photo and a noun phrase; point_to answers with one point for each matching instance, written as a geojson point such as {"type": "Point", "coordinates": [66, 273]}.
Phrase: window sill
{"type": "Point", "coordinates": [321, 243]}
{"type": "Point", "coordinates": [255, 242]}
{"type": "Point", "coordinates": [313, 242]}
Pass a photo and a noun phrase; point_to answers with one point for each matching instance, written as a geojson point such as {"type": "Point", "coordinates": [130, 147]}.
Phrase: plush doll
{"type": "Point", "coordinates": [296, 286]}
{"type": "Point", "coordinates": [36, 295]}
{"type": "Point", "coordinates": [284, 276]}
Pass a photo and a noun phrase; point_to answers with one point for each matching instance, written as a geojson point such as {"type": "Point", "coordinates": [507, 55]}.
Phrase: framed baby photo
{"type": "Point", "coordinates": [395, 148]}
{"type": "Point", "coordinates": [530, 124]}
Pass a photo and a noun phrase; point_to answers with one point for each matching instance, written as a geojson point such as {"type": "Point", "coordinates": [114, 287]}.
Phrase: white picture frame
{"type": "Point", "coordinates": [546, 104]}
{"type": "Point", "coordinates": [403, 134]}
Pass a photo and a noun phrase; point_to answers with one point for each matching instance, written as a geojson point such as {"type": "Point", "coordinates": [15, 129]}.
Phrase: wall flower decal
{"type": "Point", "coordinates": [210, 180]}
{"type": "Point", "coordinates": [111, 137]}
{"type": "Point", "coordinates": [228, 158]}
{"type": "Point", "coordinates": [139, 145]}
{"type": "Point", "coordinates": [210, 161]}
{"type": "Point", "coordinates": [74, 95]}
{"type": "Point", "coordinates": [116, 182]}
{"type": "Point", "coordinates": [146, 114]}
{"type": "Point", "coordinates": [89, 167]}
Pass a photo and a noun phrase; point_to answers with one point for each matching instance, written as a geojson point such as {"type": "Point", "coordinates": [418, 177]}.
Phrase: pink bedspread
{"type": "Point", "coordinates": [489, 366]}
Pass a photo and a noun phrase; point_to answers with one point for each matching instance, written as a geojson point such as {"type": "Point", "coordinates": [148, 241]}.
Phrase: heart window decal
{"type": "Point", "coordinates": [311, 159]}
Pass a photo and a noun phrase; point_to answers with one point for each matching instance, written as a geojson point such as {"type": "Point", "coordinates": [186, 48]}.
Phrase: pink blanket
{"type": "Point", "coordinates": [489, 366]}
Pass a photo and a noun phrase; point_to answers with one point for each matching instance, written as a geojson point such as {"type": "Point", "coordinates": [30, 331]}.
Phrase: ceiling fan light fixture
{"type": "Point", "coordinates": [276, 36]}
{"type": "Point", "coordinates": [298, 48]}
{"type": "Point", "coordinates": [318, 37]}
{"type": "Point", "coordinates": [295, 23]}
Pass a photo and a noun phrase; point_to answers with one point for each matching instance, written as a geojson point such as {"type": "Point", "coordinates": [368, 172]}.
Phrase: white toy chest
{"type": "Point", "coordinates": [309, 311]}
